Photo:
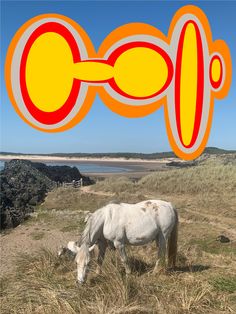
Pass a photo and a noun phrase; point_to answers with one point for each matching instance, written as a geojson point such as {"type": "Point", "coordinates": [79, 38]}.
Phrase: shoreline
{"type": "Point", "coordinates": [136, 168]}
{"type": "Point", "coordinates": [86, 159]}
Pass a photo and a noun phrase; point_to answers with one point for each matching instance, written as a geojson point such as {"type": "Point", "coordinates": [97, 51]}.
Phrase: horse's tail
{"type": "Point", "coordinates": [172, 243]}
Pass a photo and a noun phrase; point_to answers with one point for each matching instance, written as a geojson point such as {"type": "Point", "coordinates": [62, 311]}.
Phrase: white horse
{"type": "Point", "coordinates": [134, 224]}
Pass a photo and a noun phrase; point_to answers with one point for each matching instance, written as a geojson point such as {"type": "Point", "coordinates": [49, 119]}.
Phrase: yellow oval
{"type": "Point", "coordinates": [49, 75]}
{"type": "Point", "coordinates": [188, 83]}
{"type": "Point", "coordinates": [140, 72]}
{"type": "Point", "coordinates": [216, 70]}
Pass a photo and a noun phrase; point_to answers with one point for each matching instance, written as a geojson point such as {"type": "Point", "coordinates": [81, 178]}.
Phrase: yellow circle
{"type": "Point", "coordinates": [49, 72]}
{"type": "Point", "coordinates": [140, 72]}
{"type": "Point", "coordinates": [215, 70]}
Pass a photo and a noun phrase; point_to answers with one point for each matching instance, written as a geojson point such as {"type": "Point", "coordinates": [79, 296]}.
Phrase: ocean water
{"type": "Point", "coordinates": [84, 168]}
{"type": "Point", "coordinates": [1, 164]}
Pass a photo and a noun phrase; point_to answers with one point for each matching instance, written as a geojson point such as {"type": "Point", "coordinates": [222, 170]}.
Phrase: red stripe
{"type": "Point", "coordinates": [58, 115]}
{"type": "Point", "coordinates": [200, 84]}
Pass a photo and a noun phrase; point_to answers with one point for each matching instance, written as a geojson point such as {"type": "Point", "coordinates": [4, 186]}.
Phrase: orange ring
{"type": "Point", "coordinates": [90, 49]}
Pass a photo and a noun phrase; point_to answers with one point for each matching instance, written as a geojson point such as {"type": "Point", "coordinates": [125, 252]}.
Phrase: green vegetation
{"type": "Point", "coordinates": [215, 247]}
{"type": "Point", "coordinates": [225, 284]}
{"type": "Point", "coordinates": [208, 150]}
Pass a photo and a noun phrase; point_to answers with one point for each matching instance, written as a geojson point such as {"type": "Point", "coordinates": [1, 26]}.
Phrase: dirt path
{"type": "Point", "coordinates": [87, 189]}
{"type": "Point", "coordinates": [225, 224]}
{"type": "Point", "coordinates": [29, 239]}
{"type": "Point", "coordinates": [221, 222]}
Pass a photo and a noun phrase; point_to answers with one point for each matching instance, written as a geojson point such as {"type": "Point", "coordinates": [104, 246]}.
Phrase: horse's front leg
{"type": "Point", "coordinates": [121, 248]}
{"type": "Point", "coordinates": [102, 246]}
{"type": "Point", "coordinates": [161, 257]}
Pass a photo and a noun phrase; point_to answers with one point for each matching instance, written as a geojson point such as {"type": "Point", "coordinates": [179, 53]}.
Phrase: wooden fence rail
{"type": "Point", "coordinates": [74, 183]}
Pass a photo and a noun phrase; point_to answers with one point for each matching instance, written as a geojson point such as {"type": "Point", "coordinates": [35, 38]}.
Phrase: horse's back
{"type": "Point", "coordinates": [155, 208]}
{"type": "Point", "coordinates": [138, 223]}
{"type": "Point", "coordinates": [161, 212]}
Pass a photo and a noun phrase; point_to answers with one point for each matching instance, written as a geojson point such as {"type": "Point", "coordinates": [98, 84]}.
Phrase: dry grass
{"type": "Point", "coordinates": [202, 179]}
{"type": "Point", "coordinates": [72, 200]}
{"type": "Point", "coordinates": [204, 281]}
{"type": "Point", "coordinates": [43, 284]}
{"type": "Point", "coordinates": [196, 180]}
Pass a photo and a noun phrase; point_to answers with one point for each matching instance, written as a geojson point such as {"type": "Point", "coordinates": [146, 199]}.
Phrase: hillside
{"type": "Point", "coordinates": [35, 280]}
{"type": "Point", "coordinates": [127, 155]}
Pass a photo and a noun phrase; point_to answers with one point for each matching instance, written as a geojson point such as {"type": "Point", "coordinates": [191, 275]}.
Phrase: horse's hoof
{"type": "Point", "coordinates": [158, 270]}
{"type": "Point", "coordinates": [79, 283]}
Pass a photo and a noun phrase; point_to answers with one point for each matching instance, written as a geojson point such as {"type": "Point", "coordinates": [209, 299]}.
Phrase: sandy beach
{"type": "Point", "coordinates": [85, 159]}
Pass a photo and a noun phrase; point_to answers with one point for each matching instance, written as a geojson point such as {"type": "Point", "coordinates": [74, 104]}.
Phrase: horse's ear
{"type": "Point", "coordinates": [87, 216]}
{"type": "Point", "coordinates": [72, 246]}
{"type": "Point", "coordinates": [92, 248]}
{"type": "Point", "coordinates": [61, 250]}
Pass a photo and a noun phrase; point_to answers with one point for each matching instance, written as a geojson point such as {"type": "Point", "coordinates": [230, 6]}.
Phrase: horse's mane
{"type": "Point", "coordinates": [91, 221]}
{"type": "Point", "coordinates": [85, 237]}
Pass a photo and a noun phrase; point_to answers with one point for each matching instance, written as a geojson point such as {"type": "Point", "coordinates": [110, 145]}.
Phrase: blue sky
{"type": "Point", "coordinates": [102, 130]}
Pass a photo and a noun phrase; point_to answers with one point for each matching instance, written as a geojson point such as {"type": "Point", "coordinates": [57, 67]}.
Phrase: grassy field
{"type": "Point", "coordinates": [203, 282]}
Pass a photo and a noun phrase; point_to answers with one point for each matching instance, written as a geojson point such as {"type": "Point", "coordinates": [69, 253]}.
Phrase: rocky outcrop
{"type": "Point", "coordinates": [24, 184]}
{"type": "Point", "coordinates": [182, 164]}
{"type": "Point", "coordinates": [61, 173]}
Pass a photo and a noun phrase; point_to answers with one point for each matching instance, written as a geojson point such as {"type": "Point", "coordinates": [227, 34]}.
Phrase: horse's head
{"type": "Point", "coordinates": [69, 250]}
{"type": "Point", "coordinates": [82, 260]}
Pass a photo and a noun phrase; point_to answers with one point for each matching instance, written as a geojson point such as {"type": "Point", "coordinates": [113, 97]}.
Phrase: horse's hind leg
{"type": "Point", "coordinates": [102, 246]}
{"type": "Point", "coordinates": [161, 257]}
{"type": "Point", "coordinates": [121, 248]}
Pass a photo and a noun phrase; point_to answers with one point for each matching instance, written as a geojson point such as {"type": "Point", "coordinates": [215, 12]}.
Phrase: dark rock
{"type": "Point", "coordinates": [182, 164]}
{"type": "Point", "coordinates": [25, 184]}
{"type": "Point", "coordinates": [21, 186]}
{"type": "Point", "coordinates": [61, 173]}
